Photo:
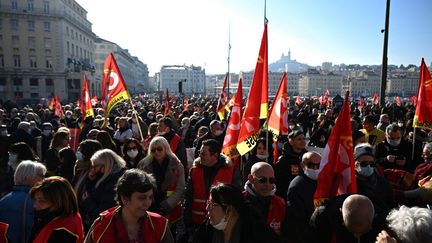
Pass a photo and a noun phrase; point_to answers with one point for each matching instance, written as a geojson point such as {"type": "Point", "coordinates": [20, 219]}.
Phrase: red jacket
{"type": "Point", "coordinates": [3, 232]}
{"type": "Point", "coordinates": [109, 228]}
{"type": "Point", "coordinates": [200, 195]}
{"type": "Point", "coordinates": [73, 224]}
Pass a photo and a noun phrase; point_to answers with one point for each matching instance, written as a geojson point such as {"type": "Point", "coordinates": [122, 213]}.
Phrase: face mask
{"type": "Point", "coordinates": [400, 124]}
{"type": "Point", "coordinates": [46, 133]}
{"type": "Point", "coordinates": [29, 131]}
{"type": "Point", "coordinates": [132, 153]}
{"type": "Point", "coordinates": [218, 132]}
{"type": "Point", "coordinates": [12, 160]}
{"type": "Point", "coordinates": [261, 156]}
{"type": "Point", "coordinates": [150, 117]}
{"type": "Point", "coordinates": [365, 171]}
{"type": "Point", "coordinates": [291, 127]}
{"type": "Point", "coordinates": [4, 133]}
{"type": "Point", "coordinates": [134, 120]}
{"type": "Point", "coordinates": [68, 116]}
{"type": "Point", "coordinates": [161, 133]}
{"type": "Point", "coordinates": [222, 224]}
{"type": "Point", "coordinates": [79, 155]}
{"type": "Point", "coordinates": [393, 142]}
{"type": "Point", "coordinates": [312, 174]}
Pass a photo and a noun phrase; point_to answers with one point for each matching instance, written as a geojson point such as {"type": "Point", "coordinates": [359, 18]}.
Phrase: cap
{"type": "Point", "coordinates": [295, 133]}
{"type": "Point", "coordinates": [363, 149]}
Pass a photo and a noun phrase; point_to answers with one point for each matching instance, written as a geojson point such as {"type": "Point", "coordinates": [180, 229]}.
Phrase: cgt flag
{"type": "Point", "coordinates": [114, 89]}
{"type": "Point", "coordinates": [278, 119]}
{"type": "Point", "coordinates": [337, 175]}
{"type": "Point", "coordinates": [233, 129]}
{"type": "Point", "coordinates": [86, 104]}
{"type": "Point", "coordinates": [250, 124]}
{"type": "Point", "coordinates": [423, 113]}
{"type": "Point", "coordinates": [223, 99]}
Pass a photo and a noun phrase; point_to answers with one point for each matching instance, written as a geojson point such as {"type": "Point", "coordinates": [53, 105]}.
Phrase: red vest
{"type": "Point", "coordinates": [73, 224]}
{"type": "Point", "coordinates": [3, 232]}
{"type": "Point", "coordinates": [107, 228]}
{"type": "Point", "coordinates": [276, 213]}
{"type": "Point", "coordinates": [175, 140]}
{"type": "Point", "coordinates": [200, 195]}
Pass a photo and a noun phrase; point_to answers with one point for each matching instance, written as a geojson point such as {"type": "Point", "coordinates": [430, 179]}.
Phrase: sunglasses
{"type": "Point", "coordinates": [311, 165]}
{"type": "Point", "coordinates": [131, 148]}
{"type": "Point", "coordinates": [159, 149]}
{"type": "Point", "coordinates": [262, 180]}
{"type": "Point", "coordinates": [365, 163]}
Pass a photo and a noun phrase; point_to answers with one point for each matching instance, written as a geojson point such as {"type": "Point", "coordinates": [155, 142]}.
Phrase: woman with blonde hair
{"type": "Point", "coordinates": [98, 189]}
{"type": "Point", "coordinates": [168, 171]}
{"type": "Point", "coordinates": [56, 210]}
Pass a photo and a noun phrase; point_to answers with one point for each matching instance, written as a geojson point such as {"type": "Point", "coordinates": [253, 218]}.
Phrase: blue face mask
{"type": "Point", "coordinates": [79, 155]}
{"type": "Point", "coordinates": [365, 171]}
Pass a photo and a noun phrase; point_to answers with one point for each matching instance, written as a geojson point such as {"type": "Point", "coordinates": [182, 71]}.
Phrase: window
{"type": "Point", "coordinates": [1, 23]}
{"type": "Point", "coordinates": [17, 82]}
{"type": "Point", "coordinates": [76, 35]}
{"type": "Point", "coordinates": [80, 52]}
{"type": "Point", "coordinates": [76, 50]}
{"type": "Point", "coordinates": [73, 49]}
{"type": "Point", "coordinates": [68, 47]}
{"type": "Point", "coordinates": [15, 40]}
{"type": "Point", "coordinates": [14, 24]}
{"type": "Point", "coordinates": [32, 43]}
{"type": "Point", "coordinates": [49, 82]}
{"type": "Point", "coordinates": [17, 60]}
{"type": "Point", "coordinates": [47, 42]}
{"type": "Point", "coordinates": [30, 5]}
{"type": "Point", "coordinates": [48, 62]}
{"type": "Point", "coordinates": [14, 4]}
{"type": "Point", "coordinates": [47, 26]}
{"type": "Point", "coordinates": [18, 94]}
{"type": "Point", "coordinates": [2, 81]}
{"type": "Point", "coordinates": [1, 60]}
{"type": "Point", "coordinates": [80, 38]}
{"type": "Point", "coordinates": [31, 25]}
{"type": "Point", "coordinates": [46, 7]}
{"type": "Point", "coordinates": [33, 62]}
{"type": "Point", "coordinates": [72, 34]}
{"type": "Point", "coordinates": [34, 95]}
{"type": "Point", "coordinates": [67, 31]}
{"type": "Point", "coordinates": [34, 82]}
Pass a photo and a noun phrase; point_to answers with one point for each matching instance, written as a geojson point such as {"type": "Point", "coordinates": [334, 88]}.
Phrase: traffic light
{"type": "Point", "coordinates": [180, 87]}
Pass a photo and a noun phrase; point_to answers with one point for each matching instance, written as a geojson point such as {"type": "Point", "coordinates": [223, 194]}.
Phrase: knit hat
{"type": "Point", "coordinates": [294, 134]}
{"type": "Point", "coordinates": [363, 149]}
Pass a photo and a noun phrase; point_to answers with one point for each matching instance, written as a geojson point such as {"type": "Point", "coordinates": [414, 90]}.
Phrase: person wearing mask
{"type": "Point", "coordinates": [258, 153]}
{"type": "Point", "coordinates": [70, 122]}
{"type": "Point", "coordinates": [300, 199]}
{"type": "Point", "coordinates": [210, 168]}
{"type": "Point", "coordinates": [130, 220]}
{"type": "Point", "coordinates": [16, 207]}
{"type": "Point", "coordinates": [47, 135]}
{"type": "Point", "coordinates": [98, 195]}
{"type": "Point", "coordinates": [23, 134]}
{"type": "Point", "coordinates": [56, 209]}
{"type": "Point", "coordinates": [122, 133]}
{"type": "Point", "coordinates": [259, 191]}
{"type": "Point", "coordinates": [133, 153]}
{"type": "Point", "coordinates": [345, 219]}
{"type": "Point", "coordinates": [288, 165]}
{"type": "Point", "coordinates": [168, 171]}
{"type": "Point", "coordinates": [186, 132]}
{"type": "Point", "coordinates": [395, 152]}
{"type": "Point", "coordinates": [165, 129]}
{"type": "Point", "coordinates": [231, 219]}
{"type": "Point", "coordinates": [216, 132]}
{"type": "Point", "coordinates": [136, 132]}
{"type": "Point", "coordinates": [383, 122]}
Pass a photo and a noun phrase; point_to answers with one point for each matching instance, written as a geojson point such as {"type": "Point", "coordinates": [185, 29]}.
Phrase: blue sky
{"type": "Point", "coordinates": [172, 32]}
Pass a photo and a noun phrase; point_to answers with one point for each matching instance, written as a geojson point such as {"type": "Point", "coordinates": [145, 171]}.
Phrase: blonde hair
{"type": "Point", "coordinates": [112, 162]}
{"type": "Point", "coordinates": [155, 142]}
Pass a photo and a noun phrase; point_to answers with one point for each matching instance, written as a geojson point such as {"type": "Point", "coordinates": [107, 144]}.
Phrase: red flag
{"type": "Point", "coordinates": [114, 89]}
{"type": "Point", "coordinates": [299, 101]}
{"type": "Point", "coordinates": [423, 113]}
{"type": "Point", "coordinates": [167, 105]}
{"type": "Point", "coordinates": [233, 129]}
{"type": "Point", "coordinates": [337, 174]}
{"type": "Point", "coordinates": [375, 99]}
{"type": "Point", "coordinates": [361, 103]}
{"type": "Point", "coordinates": [278, 119]}
{"type": "Point", "coordinates": [398, 100]}
{"type": "Point", "coordinates": [74, 142]}
{"type": "Point", "coordinates": [58, 109]}
{"type": "Point", "coordinates": [327, 93]}
{"type": "Point", "coordinates": [250, 124]}
{"type": "Point", "coordinates": [86, 105]}
{"type": "Point", "coordinates": [223, 99]}
{"type": "Point", "coordinates": [78, 103]}
{"type": "Point", "coordinates": [230, 104]}
{"type": "Point", "coordinates": [94, 100]}
{"type": "Point", "coordinates": [51, 104]}
{"type": "Point", "coordinates": [4, 232]}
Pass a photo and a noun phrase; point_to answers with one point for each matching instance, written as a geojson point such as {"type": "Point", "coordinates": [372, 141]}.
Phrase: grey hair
{"type": "Point", "coordinates": [28, 170]}
{"type": "Point", "coordinates": [392, 128]}
{"type": "Point", "coordinates": [428, 146]}
{"type": "Point", "coordinates": [213, 123]}
{"type": "Point", "coordinates": [112, 162]}
{"type": "Point", "coordinates": [24, 125]}
{"type": "Point", "coordinates": [411, 225]}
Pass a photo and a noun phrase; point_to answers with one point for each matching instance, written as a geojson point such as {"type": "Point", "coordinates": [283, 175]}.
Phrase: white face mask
{"type": "Point", "coordinates": [46, 133]}
{"type": "Point", "coordinates": [312, 174]}
{"type": "Point", "coordinates": [261, 156]}
{"type": "Point", "coordinates": [79, 155]}
{"type": "Point", "coordinates": [365, 171]}
{"type": "Point", "coordinates": [161, 133]}
{"type": "Point", "coordinates": [221, 225]}
{"type": "Point", "coordinates": [132, 153]}
{"type": "Point", "coordinates": [13, 160]}
{"type": "Point", "coordinates": [291, 127]}
{"type": "Point", "coordinates": [218, 132]}
{"type": "Point", "coordinates": [400, 124]}
{"type": "Point", "coordinates": [393, 142]}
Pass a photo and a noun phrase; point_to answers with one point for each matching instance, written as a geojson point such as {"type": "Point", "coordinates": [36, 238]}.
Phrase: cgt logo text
{"type": "Point", "coordinates": [275, 225]}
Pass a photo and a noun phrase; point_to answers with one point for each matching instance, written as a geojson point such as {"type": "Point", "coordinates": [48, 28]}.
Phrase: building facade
{"type": "Point", "coordinates": [364, 83]}
{"type": "Point", "coordinates": [192, 79]}
{"type": "Point", "coordinates": [274, 79]}
{"type": "Point", "coordinates": [315, 83]}
{"type": "Point", "coordinates": [45, 48]}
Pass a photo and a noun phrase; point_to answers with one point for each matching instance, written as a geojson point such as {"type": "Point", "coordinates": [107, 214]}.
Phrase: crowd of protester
{"type": "Point", "coordinates": [151, 173]}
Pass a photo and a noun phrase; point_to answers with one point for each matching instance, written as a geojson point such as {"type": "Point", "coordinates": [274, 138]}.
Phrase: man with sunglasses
{"type": "Point", "coordinates": [260, 192]}
{"type": "Point", "coordinates": [300, 198]}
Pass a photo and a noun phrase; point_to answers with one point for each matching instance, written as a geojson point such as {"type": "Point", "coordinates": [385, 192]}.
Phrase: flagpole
{"type": "Point", "coordinates": [136, 117]}
{"type": "Point", "coordinates": [266, 126]}
{"type": "Point", "coordinates": [229, 54]}
{"type": "Point", "coordinates": [413, 143]}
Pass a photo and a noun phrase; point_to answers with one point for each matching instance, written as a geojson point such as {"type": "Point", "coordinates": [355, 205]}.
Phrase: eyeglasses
{"type": "Point", "coordinates": [159, 149]}
{"type": "Point", "coordinates": [262, 180]}
{"type": "Point", "coordinates": [312, 165]}
{"type": "Point", "coordinates": [131, 148]}
{"type": "Point", "coordinates": [365, 163]}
